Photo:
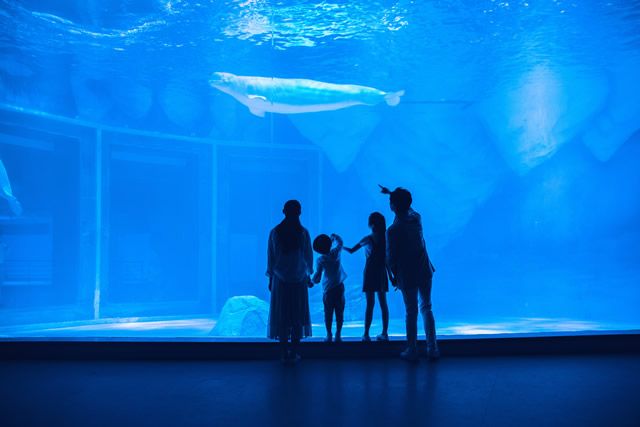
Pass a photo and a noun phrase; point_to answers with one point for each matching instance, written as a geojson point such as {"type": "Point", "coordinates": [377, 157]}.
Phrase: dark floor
{"type": "Point", "coordinates": [508, 391]}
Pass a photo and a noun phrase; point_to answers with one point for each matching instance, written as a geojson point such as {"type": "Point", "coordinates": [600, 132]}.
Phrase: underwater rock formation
{"type": "Point", "coordinates": [449, 168]}
{"type": "Point", "coordinates": [224, 114]}
{"type": "Point", "coordinates": [615, 124]}
{"type": "Point", "coordinates": [91, 96]}
{"type": "Point", "coordinates": [339, 134]}
{"type": "Point", "coordinates": [30, 85]}
{"type": "Point", "coordinates": [242, 316]}
{"type": "Point", "coordinates": [182, 104]}
{"type": "Point", "coordinates": [133, 99]}
{"type": "Point", "coordinates": [531, 118]}
{"type": "Point", "coordinates": [91, 87]}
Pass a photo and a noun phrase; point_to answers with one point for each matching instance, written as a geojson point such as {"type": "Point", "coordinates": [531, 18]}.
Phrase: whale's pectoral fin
{"type": "Point", "coordinates": [256, 102]}
{"type": "Point", "coordinates": [393, 98]}
{"type": "Point", "coordinates": [257, 97]}
{"type": "Point", "coordinates": [256, 111]}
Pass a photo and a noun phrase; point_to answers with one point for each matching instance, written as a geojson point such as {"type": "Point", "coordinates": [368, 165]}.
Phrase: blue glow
{"type": "Point", "coordinates": [136, 199]}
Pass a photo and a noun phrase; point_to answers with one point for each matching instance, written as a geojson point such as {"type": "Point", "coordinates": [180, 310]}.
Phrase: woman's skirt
{"type": "Point", "coordinates": [289, 310]}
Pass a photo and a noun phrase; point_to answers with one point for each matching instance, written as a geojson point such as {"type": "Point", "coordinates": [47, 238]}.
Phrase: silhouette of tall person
{"type": "Point", "coordinates": [289, 266]}
{"type": "Point", "coordinates": [412, 271]}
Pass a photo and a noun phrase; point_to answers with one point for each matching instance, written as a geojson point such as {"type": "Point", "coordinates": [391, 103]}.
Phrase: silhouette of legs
{"type": "Point", "coordinates": [368, 314]}
{"type": "Point", "coordinates": [328, 320]}
{"type": "Point", "coordinates": [384, 308]}
{"type": "Point", "coordinates": [284, 347]}
{"type": "Point", "coordinates": [340, 316]}
{"type": "Point", "coordinates": [289, 350]}
{"type": "Point", "coordinates": [424, 290]}
{"type": "Point", "coordinates": [327, 301]}
{"type": "Point", "coordinates": [334, 302]}
{"type": "Point", "coordinates": [295, 341]}
{"type": "Point", "coordinates": [410, 297]}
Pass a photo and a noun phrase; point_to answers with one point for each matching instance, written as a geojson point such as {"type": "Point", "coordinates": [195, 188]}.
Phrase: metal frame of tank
{"type": "Point", "coordinates": [91, 137]}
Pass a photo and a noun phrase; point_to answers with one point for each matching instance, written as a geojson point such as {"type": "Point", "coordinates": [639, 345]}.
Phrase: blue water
{"type": "Point", "coordinates": [141, 197]}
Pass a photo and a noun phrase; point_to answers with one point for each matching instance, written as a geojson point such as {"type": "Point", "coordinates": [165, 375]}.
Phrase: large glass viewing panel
{"type": "Point", "coordinates": [147, 148]}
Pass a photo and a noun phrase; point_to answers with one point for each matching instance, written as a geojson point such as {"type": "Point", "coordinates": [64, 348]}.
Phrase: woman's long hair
{"type": "Point", "coordinates": [289, 231]}
{"type": "Point", "coordinates": [379, 227]}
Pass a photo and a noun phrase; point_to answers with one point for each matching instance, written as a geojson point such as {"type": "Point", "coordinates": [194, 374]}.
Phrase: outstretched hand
{"type": "Point", "coordinates": [350, 250]}
{"type": "Point", "coordinates": [384, 190]}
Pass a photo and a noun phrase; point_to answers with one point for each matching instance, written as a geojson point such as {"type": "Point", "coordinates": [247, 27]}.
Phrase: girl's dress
{"type": "Point", "coordinates": [375, 270]}
{"type": "Point", "coordinates": [289, 315]}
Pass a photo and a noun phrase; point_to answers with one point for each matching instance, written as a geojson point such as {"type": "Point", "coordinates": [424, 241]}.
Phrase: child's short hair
{"type": "Point", "coordinates": [322, 244]}
{"type": "Point", "coordinates": [401, 199]}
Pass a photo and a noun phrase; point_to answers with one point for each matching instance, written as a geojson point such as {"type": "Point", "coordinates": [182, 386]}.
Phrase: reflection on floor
{"type": "Point", "coordinates": [536, 391]}
{"type": "Point", "coordinates": [202, 327]}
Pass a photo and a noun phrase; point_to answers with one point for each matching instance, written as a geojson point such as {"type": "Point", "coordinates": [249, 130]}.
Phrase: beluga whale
{"type": "Point", "coordinates": [296, 96]}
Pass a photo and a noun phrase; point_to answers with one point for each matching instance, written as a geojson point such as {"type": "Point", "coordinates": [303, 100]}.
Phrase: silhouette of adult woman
{"type": "Point", "coordinates": [289, 265]}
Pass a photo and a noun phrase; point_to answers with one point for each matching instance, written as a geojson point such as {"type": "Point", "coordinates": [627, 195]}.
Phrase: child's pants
{"type": "Point", "coordinates": [333, 300]}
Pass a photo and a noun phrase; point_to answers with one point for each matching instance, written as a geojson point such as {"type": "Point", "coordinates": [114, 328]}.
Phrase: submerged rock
{"type": "Point", "coordinates": [621, 117]}
{"type": "Point", "coordinates": [91, 86]}
{"type": "Point", "coordinates": [242, 316]}
{"type": "Point", "coordinates": [450, 168]}
{"type": "Point", "coordinates": [133, 99]}
{"type": "Point", "coordinates": [531, 118]}
{"type": "Point", "coordinates": [182, 103]}
{"type": "Point", "coordinates": [340, 134]}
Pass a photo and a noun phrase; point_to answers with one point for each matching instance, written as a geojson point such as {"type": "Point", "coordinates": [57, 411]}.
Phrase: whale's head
{"type": "Point", "coordinates": [222, 81]}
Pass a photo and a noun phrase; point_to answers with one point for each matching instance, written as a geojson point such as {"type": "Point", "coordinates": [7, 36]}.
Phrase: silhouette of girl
{"type": "Point", "coordinates": [289, 265]}
{"type": "Point", "coordinates": [375, 274]}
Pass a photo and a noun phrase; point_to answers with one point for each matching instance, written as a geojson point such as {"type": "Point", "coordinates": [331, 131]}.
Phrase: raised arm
{"type": "Point", "coordinates": [338, 243]}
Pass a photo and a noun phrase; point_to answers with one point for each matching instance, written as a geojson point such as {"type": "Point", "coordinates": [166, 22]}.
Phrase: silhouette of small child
{"type": "Point", "coordinates": [329, 269]}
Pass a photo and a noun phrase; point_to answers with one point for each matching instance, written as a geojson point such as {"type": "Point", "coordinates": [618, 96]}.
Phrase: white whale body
{"type": "Point", "coordinates": [296, 96]}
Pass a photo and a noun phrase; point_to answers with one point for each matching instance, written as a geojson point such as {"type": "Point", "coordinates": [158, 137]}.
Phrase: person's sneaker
{"type": "Point", "coordinates": [329, 338]}
{"type": "Point", "coordinates": [382, 337]}
{"type": "Point", "coordinates": [338, 338]}
{"type": "Point", "coordinates": [410, 355]}
{"type": "Point", "coordinates": [366, 338]}
{"type": "Point", "coordinates": [433, 354]}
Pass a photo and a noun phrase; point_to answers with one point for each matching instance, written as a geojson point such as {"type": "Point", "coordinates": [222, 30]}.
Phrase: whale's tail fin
{"type": "Point", "coordinates": [393, 98]}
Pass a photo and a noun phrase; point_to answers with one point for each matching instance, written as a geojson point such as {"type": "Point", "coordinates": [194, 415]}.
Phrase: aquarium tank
{"type": "Point", "coordinates": [147, 148]}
